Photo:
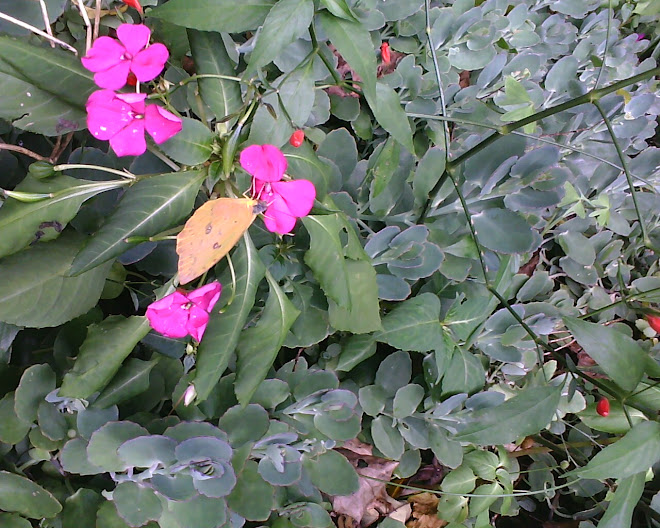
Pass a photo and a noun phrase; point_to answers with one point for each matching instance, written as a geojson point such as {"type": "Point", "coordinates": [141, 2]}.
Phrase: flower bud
{"type": "Point", "coordinates": [385, 53]}
{"type": "Point", "coordinates": [41, 170]}
{"type": "Point", "coordinates": [603, 407]}
{"type": "Point", "coordinates": [135, 4]}
{"type": "Point", "coordinates": [654, 322]}
{"type": "Point", "coordinates": [297, 138]}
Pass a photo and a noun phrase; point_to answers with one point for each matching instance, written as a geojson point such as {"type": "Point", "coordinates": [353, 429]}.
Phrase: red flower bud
{"type": "Point", "coordinates": [131, 80]}
{"type": "Point", "coordinates": [654, 322]}
{"type": "Point", "coordinates": [385, 53]}
{"type": "Point", "coordinates": [297, 138]}
{"type": "Point", "coordinates": [134, 4]}
{"type": "Point", "coordinates": [603, 407]}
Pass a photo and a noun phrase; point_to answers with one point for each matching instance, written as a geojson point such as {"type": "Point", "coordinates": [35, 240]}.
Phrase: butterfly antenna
{"type": "Point", "coordinates": [233, 284]}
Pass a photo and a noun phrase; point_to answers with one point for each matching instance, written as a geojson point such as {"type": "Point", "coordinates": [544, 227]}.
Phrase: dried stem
{"type": "Point", "coordinates": [37, 31]}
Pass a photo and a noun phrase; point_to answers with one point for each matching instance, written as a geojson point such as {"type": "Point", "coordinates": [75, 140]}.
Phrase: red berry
{"type": "Point", "coordinates": [385, 53]}
{"type": "Point", "coordinates": [603, 407]}
{"type": "Point", "coordinates": [297, 138]}
{"type": "Point", "coordinates": [134, 4]}
{"type": "Point", "coordinates": [131, 80]}
{"type": "Point", "coordinates": [654, 322]}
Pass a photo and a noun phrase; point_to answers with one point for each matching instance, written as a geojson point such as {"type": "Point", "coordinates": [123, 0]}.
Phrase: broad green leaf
{"type": "Point", "coordinates": [364, 313]}
{"type": "Point", "coordinates": [215, 15]}
{"type": "Point", "coordinates": [384, 168]}
{"type": "Point", "coordinates": [73, 457]}
{"type": "Point", "coordinates": [80, 508]}
{"type": "Point", "coordinates": [355, 350]}
{"type": "Point", "coordinates": [29, 12]}
{"type": "Point", "coordinates": [35, 290]}
{"type": "Point", "coordinates": [13, 520]}
{"type": "Point", "coordinates": [152, 205]}
{"type": "Point", "coordinates": [136, 504]}
{"type": "Point", "coordinates": [387, 109]}
{"type": "Point", "coordinates": [224, 329]}
{"type": "Point", "coordinates": [428, 172]}
{"type": "Point", "coordinates": [102, 353]}
{"type": "Point", "coordinates": [31, 100]}
{"type": "Point", "coordinates": [636, 452]}
{"type": "Point", "coordinates": [222, 96]}
{"type": "Point", "coordinates": [12, 428]}
{"type": "Point", "coordinates": [286, 22]}
{"type": "Point", "coordinates": [107, 517]}
{"type": "Point", "coordinates": [131, 380]}
{"type": "Point", "coordinates": [312, 324]}
{"type": "Point", "coordinates": [259, 345]}
{"type": "Point", "coordinates": [326, 256]}
{"type": "Point", "coordinates": [464, 373]}
{"type": "Point", "coordinates": [36, 382]}
{"type": "Point", "coordinates": [413, 325]}
{"type": "Point", "coordinates": [387, 438]}
{"type": "Point", "coordinates": [406, 400]}
{"type": "Point", "coordinates": [52, 423]}
{"type": "Point", "coordinates": [332, 473]}
{"type": "Point", "coordinates": [460, 480]}
{"type": "Point", "coordinates": [104, 443]}
{"type": "Point", "coordinates": [394, 372]}
{"type": "Point", "coordinates": [620, 357]}
{"type": "Point", "coordinates": [339, 8]}
{"type": "Point", "coordinates": [199, 511]}
{"type": "Point", "coordinates": [191, 146]}
{"type": "Point", "coordinates": [252, 497]}
{"type": "Point", "coordinates": [526, 413]}
{"type": "Point", "coordinates": [244, 423]}
{"type": "Point", "coordinates": [620, 510]}
{"type": "Point", "coordinates": [21, 495]}
{"type": "Point", "coordinates": [353, 42]}
{"type": "Point", "coordinates": [23, 224]}
{"type": "Point", "coordinates": [504, 231]}
{"type": "Point", "coordinates": [615, 422]}
{"type": "Point", "coordinates": [145, 451]}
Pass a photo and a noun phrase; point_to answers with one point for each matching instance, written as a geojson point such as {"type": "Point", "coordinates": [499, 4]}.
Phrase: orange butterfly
{"type": "Point", "coordinates": [211, 232]}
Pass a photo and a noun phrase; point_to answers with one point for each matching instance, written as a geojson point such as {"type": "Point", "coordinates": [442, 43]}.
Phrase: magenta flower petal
{"type": "Point", "coordinates": [136, 100]}
{"type": "Point", "coordinates": [197, 321]}
{"type": "Point", "coordinates": [168, 315]}
{"type": "Point", "coordinates": [114, 77]}
{"type": "Point", "coordinates": [278, 218]}
{"type": "Point", "coordinates": [161, 124]}
{"type": "Point", "coordinates": [148, 64]}
{"type": "Point", "coordinates": [134, 37]}
{"type": "Point", "coordinates": [299, 195]}
{"type": "Point", "coordinates": [264, 162]}
{"type": "Point", "coordinates": [106, 115]}
{"type": "Point", "coordinates": [130, 141]}
{"type": "Point", "coordinates": [105, 53]}
{"type": "Point", "coordinates": [206, 296]}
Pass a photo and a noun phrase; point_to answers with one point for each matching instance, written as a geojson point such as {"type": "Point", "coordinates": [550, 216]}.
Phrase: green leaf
{"type": "Point", "coordinates": [21, 495]}
{"type": "Point", "coordinates": [504, 231]}
{"type": "Point", "coordinates": [355, 351]}
{"type": "Point", "coordinates": [107, 517]}
{"type": "Point", "coordinates": [413, 325]}
{"type": "Point", "coordinates": [80, 508]}
{"type": "Point", "coordinates": [136, 504]}
{"type": "Point", "coordinates": [636, 452]}
{"type": "Point", "coordinates": [620, 357]}
{"type": "Point", "coordinates": [31, 100]}
{"type": "Point", "coordinates": [389, 113]}
{"type": "Point", "coordinates": [428, 172]}
{"type": "Point", "coordinates": [252, 497]}
{"type": "Point", "coordinates": [364, 313]}
{"type": "Point", "coordinates": [244, 424]}
{"type": "Point", "coordinates": [12, 428]}
{"type": "Point", "coordinates": [286, 22]}
{"type": "Point", "coordinates": [339, 8]}
{"type": "Point", "coordinates": [191, 146]}
{"type": "Point", "coordinates": [102, 353]}
{"type": "Point", "coordinates": [222, 96]}
{"type": "Point", "coordinates": [215, 15]}
{"type": "Point", "coordinates": [131, 380]}
{"type": "Point", "coordinates": [146, 451]}
{"type": "Point", "coordinates": [387, 438]}
{"type": "Point", "coordinates": [353, 42]}
{"type": "Point", "coordinates": [332, 473]}
{"type": "Point", "coordinates": [36, 382]}
{"type": "Point", "coordinates": [259, 345]}
{"type": "Point", "coordinates": [387, 162]}
{"type": "Point", "coordinates": [35, 290]}
{"type": "Point", "coordinates": [150, 206]}
{"type": "Point", "coordinates": [326, 256]}
{"type": "Point", "coordinates": [620, 510]}
{"type": "Point", "coordinates": [24, 223]}
{"type": "Point", "coordinates": [52, 423]}
{"type": "Point", "coordinates": [406, 400]}
{"type": "Point", "coordinates": [224, 329]}
{"type": "Point", "coordinates": [104, 443]}
{"type": "Point", "coordinates": [12, 520]}
{"type": "Point", "coordinates": [73, 457]}
{"type": "Point", "coordinates": [526, 413]}
{"type": "Point", "coordinates": [200, 512]}
{"type": "Point", "coordinates": [465, 373]}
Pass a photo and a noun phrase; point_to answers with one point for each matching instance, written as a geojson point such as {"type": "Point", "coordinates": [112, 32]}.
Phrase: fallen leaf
{"type": "Point", "coordinates": [425, 512]}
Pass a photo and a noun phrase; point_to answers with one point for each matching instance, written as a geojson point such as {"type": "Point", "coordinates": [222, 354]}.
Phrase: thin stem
{"type": "Point", "coordinates": [44, 13]}
{"type": "Point", "coordinates": [162, 157]}
{"type": "Point", "coordinates": [37, 31]}
{"type": "Point", "coordinates": [97, 19]}
{"type": "Point", "coordinates": [624, 164]}
{"type": "Point", "coordinates": [22, 150]}
{"type": "Point", "coordinates": [88, 24]}
{"type": "Point", "coordinates": [331, 69]}
{"type": "Point", "coordinates": [607, 43]}
{"type": "Point", "coordinates": [69, 166]}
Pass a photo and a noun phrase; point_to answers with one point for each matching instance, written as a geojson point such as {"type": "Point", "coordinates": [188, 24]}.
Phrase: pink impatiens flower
{"type": "Point", "coordinates": [180, 314]}
{"type": "Point", "coordinates": [264, 162]}
{"type": "Point", "coordinates": [123, 119]}
{"type": "Point", "coordinates": [112, 60]}
{"type": "Point", "coordinates": [287, 200]}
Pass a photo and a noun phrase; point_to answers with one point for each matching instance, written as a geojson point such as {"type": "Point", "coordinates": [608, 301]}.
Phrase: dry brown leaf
{"type": "Point", "coordinates": [425, 512]}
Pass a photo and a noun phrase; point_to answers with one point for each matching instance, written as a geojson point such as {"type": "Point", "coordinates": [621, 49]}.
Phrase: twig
{"type": "Point", "coordinates": [22, 150]}
{"type": "Point", "coordinates": [60, 146]}
{"type": "Point", "coordinates": [37, 31]}
{"type": "Point", "coordinates": [44, 12]}
{"type": "Point", "coordinates": [88, 23]}
{"type": "Point", "coordinates": [97, 19]}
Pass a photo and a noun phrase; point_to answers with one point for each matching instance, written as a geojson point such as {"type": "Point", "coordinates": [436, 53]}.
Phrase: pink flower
{"type": "Point", "coordinates": [286, 201]}
{"type": "Point", "coordinates": [112, 61]}
{"type": "Point", "coordinates": [181, 314]}
{"type": "Point", "coordinates": [264, 162]}
{"type": "Point", "coordinates": [123, 119]}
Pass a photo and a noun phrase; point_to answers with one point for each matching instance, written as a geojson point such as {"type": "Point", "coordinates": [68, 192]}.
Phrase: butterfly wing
{"type": "Point", "coordinates": [210, 233]}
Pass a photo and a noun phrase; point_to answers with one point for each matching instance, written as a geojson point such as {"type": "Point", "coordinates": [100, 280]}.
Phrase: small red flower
{"type": "Point", "coordinates": [385, 53]}
{"type": "Point", "coordinates": [131, 80]}
{"type": "Point", "coordinates": [297, 138]}
{"type": "Point", "coordinates": [603, 407]}
{"type": "Point", "coordinates": [134, 4]}
{"type": "Point", "coordinates": [654, 322]}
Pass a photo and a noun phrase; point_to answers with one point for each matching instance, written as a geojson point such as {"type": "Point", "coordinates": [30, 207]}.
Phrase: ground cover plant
{"type": "Point", "coordinates": [305, 263]}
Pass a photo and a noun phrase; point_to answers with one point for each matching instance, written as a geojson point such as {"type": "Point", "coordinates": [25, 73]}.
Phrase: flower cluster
{"type": "Point", "coordinates": [286, 200]}
{"type": "Point", "coordinates": [180, 314]}
{"type": "Point", "coordinates": [123, 118]}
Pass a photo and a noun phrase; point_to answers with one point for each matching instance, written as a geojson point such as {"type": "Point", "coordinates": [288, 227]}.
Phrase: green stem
{"type": "Point", "coordinates": [68, 166]}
